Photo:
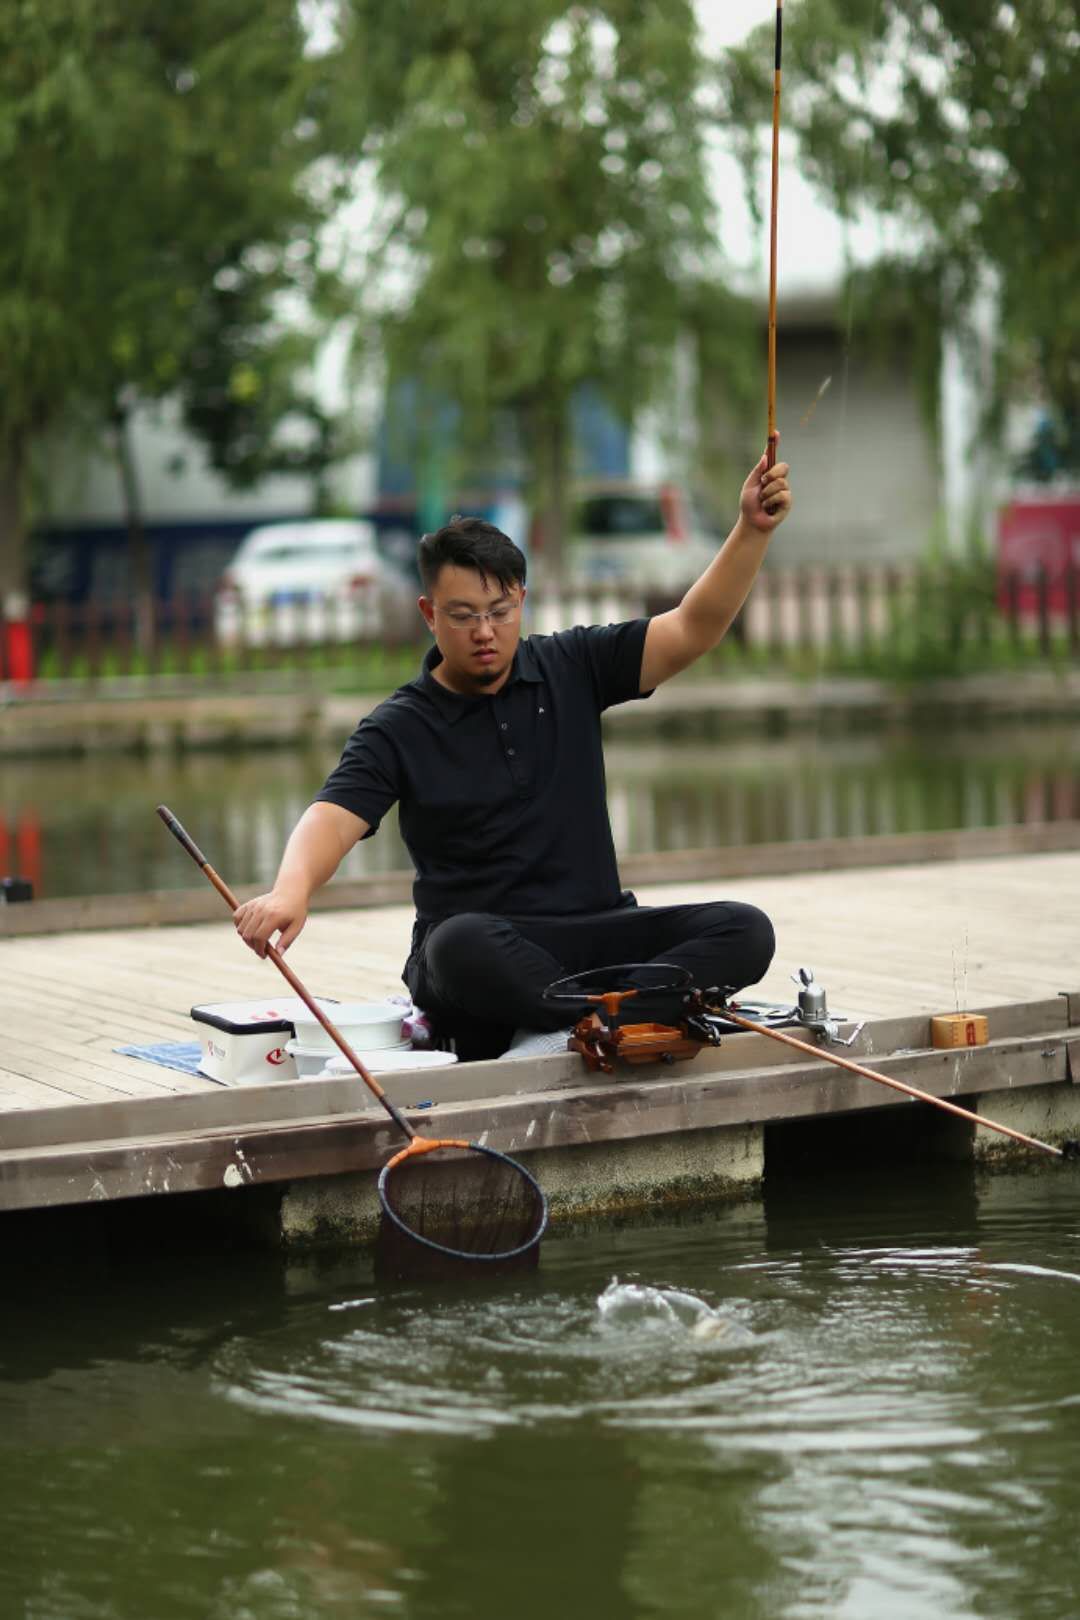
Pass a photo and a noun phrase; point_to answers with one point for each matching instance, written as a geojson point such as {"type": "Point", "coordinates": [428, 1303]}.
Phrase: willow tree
{"type": "Point", "coordinates": [149, 156]}
{"type": "Point", "coordinates": [545, 218]}
{"type": "Point", "coordinates": [960, 118]}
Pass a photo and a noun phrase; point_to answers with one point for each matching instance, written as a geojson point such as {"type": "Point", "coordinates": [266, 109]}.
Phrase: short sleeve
{"type": "Point", "coordinates": [613, 655]}
{"type": "Point", "coordinates": [367, 778]}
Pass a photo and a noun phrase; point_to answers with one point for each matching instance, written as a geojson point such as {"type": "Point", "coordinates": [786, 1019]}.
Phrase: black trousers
{"type": "Point", "coordinates": [480, 977]}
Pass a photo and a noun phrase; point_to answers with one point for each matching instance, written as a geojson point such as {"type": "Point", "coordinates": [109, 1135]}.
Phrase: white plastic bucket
{"type": "Point", "coordinates": [313, 1060]}
{"type": "Point", "coordinates": [368, 1026]}
{"type": "Point", "coordinates": [387, 1062]}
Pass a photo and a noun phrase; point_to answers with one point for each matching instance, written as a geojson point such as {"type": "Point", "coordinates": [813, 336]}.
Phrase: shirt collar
{"type": "Point", "coordinates": [452, 705]}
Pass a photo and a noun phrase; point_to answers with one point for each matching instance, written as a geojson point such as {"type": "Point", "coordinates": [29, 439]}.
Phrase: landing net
{"type": "Point", "coordinates": [457, 1210]}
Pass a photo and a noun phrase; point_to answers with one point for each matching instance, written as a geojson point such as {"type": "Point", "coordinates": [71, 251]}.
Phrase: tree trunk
{"type": "Point", "coordinates": [13, 580]}
{"type": "Point", "coordinates": [16, 656]}
{"type": "Point", "coordinates": [142, 585]}
{"type": "Point", "coordinates": [550, 456]}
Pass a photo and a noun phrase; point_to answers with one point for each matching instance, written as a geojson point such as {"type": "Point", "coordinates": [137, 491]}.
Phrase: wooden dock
{"type": "Point", "coordinates": [892, 945]}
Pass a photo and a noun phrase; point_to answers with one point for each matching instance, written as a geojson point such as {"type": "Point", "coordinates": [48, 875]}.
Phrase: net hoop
{"type": "Point", "coordinates": [497, 1256]}
{"type": "Point", "coordinates": [555, 991]}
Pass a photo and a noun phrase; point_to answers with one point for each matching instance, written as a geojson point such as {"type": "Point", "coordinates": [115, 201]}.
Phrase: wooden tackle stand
{"type": "Point", "coordinates": [599, 1043]}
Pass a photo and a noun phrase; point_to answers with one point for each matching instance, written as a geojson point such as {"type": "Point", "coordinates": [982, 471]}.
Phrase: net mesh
{"type": "Point", "coordinates": [455, 1211]}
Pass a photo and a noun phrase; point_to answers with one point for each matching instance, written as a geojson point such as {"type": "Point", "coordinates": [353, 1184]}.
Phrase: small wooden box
{"type": "Point", "coordinates": [959, 1029]}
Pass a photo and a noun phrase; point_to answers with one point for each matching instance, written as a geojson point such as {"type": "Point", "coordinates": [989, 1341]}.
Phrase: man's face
{"type": "Point", "coordinates": [476, 623]}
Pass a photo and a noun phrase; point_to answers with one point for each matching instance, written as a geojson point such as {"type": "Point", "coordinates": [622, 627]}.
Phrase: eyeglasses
{"type": "Point", "coordinates": [462, 619]}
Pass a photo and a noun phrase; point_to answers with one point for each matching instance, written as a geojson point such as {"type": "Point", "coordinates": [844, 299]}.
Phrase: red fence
{"type": "Point", "coordinates": [840, 615]}
{"type": "Point", "coordinates": [188, 636]}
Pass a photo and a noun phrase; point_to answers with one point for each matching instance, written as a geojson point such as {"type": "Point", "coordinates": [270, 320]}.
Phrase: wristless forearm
{"type": "Point", "coordinates": [312, 856]}
{"type": "Point", "coordinates": [712, 601]}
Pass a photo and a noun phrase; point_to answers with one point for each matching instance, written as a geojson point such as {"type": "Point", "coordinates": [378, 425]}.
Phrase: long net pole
{"type": "Point", "coordinates": [773, 434]}
{"type": "Point", "coordinates": [188, 843]}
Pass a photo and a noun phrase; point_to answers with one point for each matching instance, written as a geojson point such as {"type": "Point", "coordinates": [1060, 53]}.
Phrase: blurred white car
{"type": "Point", "coordinates": [641, 537]}
{"type": "Point", "coordinates": [323, 580]}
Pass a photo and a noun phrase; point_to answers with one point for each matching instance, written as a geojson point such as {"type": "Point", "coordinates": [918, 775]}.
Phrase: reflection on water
{"type": "Point", "coordinates": [891, 1431]}
{"type": "Point", "coordinates": [87, 827]}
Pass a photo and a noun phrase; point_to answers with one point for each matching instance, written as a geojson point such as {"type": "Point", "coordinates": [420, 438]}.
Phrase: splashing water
{"type": "Point", "coordinates": [643, 1306]}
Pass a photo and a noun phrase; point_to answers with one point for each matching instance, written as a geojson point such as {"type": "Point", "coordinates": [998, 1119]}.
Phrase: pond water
{"type": "Point", "coordinates": [86, 826]}
{"type": "Point", "coordinates": [880, 1422]}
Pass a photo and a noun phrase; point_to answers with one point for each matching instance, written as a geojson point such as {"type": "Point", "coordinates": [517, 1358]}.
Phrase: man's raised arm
{"type": "Point", "coordinates": [674, 640]}
{"type": "Point", "coordinates": [317, 845]}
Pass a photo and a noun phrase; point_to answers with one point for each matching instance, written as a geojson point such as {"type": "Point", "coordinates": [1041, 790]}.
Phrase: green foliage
{"type": "Point", "coordinates": [149, 156]}
{"type": "Point", "coordinates": [730, 407]}
{"type": "Point", "coordinates": [942, 620]}
{"type": "Point", "coordinates": [547, 219]}
{"type": "Point", "coordinates": [896, 306]}
{"type": "Point", "coordinates": [243, 395]}
{"type": "Point", "coordinates": [959, 118]}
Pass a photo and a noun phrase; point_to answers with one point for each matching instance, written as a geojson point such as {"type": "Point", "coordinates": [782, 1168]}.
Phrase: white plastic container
{"type": "Point", "coordinates": [368, 1026]}
{"type": "Point", "coordinates": [244, 1043]}
{"type": "Point", "coordinates": [312, 1060]}
{"type": "Point", "coordinates": [387, 1062]}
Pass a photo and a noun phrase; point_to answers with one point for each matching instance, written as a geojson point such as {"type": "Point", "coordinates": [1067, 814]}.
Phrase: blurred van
{"type": "Point", "coordinates": [642, 537]}
{"type": "Point", "coordinates": [323, 580]}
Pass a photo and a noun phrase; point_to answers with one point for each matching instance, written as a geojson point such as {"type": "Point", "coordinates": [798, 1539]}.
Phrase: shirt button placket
{"type": "Point", "coordinates": [511, 755]}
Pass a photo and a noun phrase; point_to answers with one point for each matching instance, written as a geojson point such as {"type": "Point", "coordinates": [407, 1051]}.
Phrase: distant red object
{"type": "Point", "coordinates": [1039, 538]}
{"type": "Point", "coordinates": [20, 850]}
{"type": "Point", "coordinates": [18, 651]}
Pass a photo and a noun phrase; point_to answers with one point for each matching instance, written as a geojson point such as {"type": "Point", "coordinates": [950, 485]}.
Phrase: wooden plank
{"type": "Point", "coordinates": [201, 904]}
{"type": "Point", "coordinates": [98, 1085]}
{"type": "Point", "coordinates": [52, 1043]}
{"type": "Point", "coordinates": [766, 1061]}
{"type": "Point", "coordinates": [913, 965]}
{"type": "Point", "coordinates": [91, 1046]}
{"type": "Point", "coordinates": [586, 1115]}
{"type": "Point", "coordinates": [16, 1092]}
{"type": "Point", "coordinates": [894, 943]}
{"type": "Point", "coordinates": [217, 1109]}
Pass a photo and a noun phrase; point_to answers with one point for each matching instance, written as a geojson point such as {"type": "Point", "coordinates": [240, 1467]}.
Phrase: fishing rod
{"type": "Point", "coordinates": [1069, 1150]}
{"type": "Point", "coordinates": [636, 1043]}
{"type": "Point", "coordinates": [421, 1214]}
{"type": "Point", "coordinates": [773, 438]}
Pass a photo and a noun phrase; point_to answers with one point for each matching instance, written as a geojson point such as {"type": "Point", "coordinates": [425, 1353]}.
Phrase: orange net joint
{"type": "Point", "coordinates": [422, 1144]}
{"type": "Point", "coordinates": [611, 1000]}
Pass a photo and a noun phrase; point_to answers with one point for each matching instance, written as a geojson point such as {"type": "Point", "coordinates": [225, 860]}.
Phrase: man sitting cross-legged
{"type": "Point", "coordinates": [494, 757]}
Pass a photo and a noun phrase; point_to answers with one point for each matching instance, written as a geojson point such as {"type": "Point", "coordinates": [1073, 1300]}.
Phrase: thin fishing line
{"type": "Point", "coordinates": [835, 486]}
{"type": "Point", "coordinates": [960, 982]}
{"type": "Point", "coordinates": [807, 414]}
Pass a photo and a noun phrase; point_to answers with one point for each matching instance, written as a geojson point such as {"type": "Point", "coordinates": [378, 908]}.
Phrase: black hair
{"type": "Point", "coordinates": [470, 542]}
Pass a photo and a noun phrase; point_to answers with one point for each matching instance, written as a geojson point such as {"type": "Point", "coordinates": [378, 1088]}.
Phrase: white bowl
{"type": "Point", "coordinates": [385, 1061]}
{"type": "Point", "coordinates": [366, 1025]}
{"type": "Point", "coordinates": [313, 1060]}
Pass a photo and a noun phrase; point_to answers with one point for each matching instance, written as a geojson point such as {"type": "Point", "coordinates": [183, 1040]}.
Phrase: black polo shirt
{"type": "Point", "coordinates": [502, 798]}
